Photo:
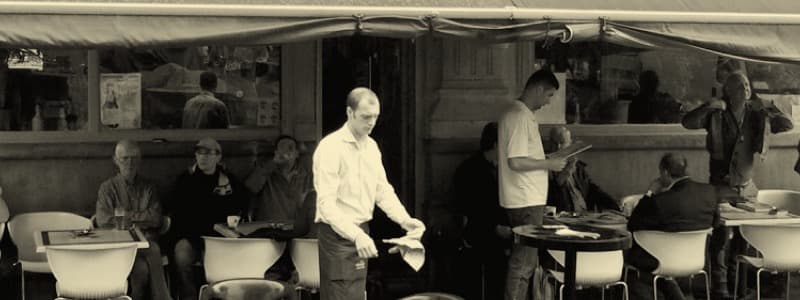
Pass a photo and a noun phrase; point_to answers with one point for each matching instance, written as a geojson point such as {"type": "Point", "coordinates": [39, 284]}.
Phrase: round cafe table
{"type": "Point", "coordinates": [539, 237]}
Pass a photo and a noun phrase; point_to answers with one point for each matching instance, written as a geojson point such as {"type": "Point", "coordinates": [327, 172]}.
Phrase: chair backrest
{"type": "Point", "coordinates": [96, 273]}
{"type": "Point", "coordinates": [21, 228]}
{"type": "Point", "coordinates": [778, 244]}
{"type": "Point", "coordinates": [594, 268]}
{"type": "Point", "coordinates": [678, 253]}
{"type": "Point", "coordinates": [305, 256]}
{"type": "Point", "coordinates": [432, 296]}
{"type": "Point", "coordinates": [783, 199]}
{"type": "Point", "coordinates": [629, 203]}
{"type": "Point", "coordinates": [4, 213]}
{"type": "Point", "coordinates": [239, 258]}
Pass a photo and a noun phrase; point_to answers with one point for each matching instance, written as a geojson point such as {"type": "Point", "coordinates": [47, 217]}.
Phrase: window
{"type": "Point", "coordinates": [150, 88]}
{"type": "Point", "coordinates": [43, 90]}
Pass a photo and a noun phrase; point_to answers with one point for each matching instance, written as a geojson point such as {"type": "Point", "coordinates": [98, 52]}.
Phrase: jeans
{"type": "Point", "coordinates": [185, 257]}
{"type": "Point", "coordinates": [148, 271]}
{"type": "Point", "coordinates": [524, 259]}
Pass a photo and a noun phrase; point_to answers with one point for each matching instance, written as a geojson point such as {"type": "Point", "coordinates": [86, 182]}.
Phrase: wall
{"type": "Point", "coordinates": [62, 171]}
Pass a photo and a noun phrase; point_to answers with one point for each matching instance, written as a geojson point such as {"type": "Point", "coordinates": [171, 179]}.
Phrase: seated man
{"type": "Point", "coordinates": [673, 203]}
{"type": "Point", "coordinates": [139, 198]}
{"type": "Point", "coordinates": [204, 195]}
{"type": "Point", "coordinates": [571, 189]}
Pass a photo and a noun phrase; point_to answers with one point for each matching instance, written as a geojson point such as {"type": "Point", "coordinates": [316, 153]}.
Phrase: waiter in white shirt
{"type": "Point", "coordinates": [349, 179]}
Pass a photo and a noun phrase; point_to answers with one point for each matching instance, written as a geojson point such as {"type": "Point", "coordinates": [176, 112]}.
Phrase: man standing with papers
{"type": "Point", "coordinates": [523, 174]}
{"type": "Point", "coordinates": [350, 180]}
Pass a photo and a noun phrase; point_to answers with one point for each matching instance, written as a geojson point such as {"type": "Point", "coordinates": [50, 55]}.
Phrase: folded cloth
{"type": "Point", "coordinates": [410, 249]}
{"type": "Point", "coordinates": [575, 233]}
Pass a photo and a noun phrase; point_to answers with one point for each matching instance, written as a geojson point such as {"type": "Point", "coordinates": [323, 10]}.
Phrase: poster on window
{"type": "Point", "coordinates": [121, 100]}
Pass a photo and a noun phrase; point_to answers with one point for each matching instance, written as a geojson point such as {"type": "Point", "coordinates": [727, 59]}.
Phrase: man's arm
{"type": "Point", "coordinates": [104, 209]}
{"type": "Point", "coordinates": [149, 216]}
{"type": "Point", "coordinates": [644, 216]}
{"type": "Point", "coordinates": [698, 117]}
{"type": "Point", "coordinates": [525, 164]}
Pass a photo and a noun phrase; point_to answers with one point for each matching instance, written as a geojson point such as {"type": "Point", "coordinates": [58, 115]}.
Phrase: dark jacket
{"type": "Point", "coordinates": [476, 190]}
{"type": "Point", "coordinates": [687, 206]}
{"type": "Point", "coordinates": [558, 195]}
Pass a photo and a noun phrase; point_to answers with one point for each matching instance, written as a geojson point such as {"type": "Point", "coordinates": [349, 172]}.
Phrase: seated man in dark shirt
{"type": "Point", "coordinates": [673, 203]}
{"type": "Point", "coordinates": [571, 189]}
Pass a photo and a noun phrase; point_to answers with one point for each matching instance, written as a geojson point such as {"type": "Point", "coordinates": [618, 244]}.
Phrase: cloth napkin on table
{"type": "Point", "coordinates": [575, 233]}
{"type": "Point", "coordinates": [410, 249]}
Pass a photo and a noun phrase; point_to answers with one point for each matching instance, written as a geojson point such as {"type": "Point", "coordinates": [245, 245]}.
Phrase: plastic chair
{"type": "Point", "coordinates": [22, 227]}
{"type": "Point", "coordinates": [629, 203]}
{"type": "Point", "coordinates": [305, 256]}
{"type": "Point", "coordinates": [602, 269]}
{"type": "Point", "coordinates": [778, 246]}
{"type": "Point", "coordinates": [783, 199]}
{"type": "Point", "coordinates": [97, 273]}
{"type": "Point", "coordinates": [432, 296]}
{"type": "Point", "coordinates": [228, 259]}
{"type": "Point", "coordinates": [679, 254]}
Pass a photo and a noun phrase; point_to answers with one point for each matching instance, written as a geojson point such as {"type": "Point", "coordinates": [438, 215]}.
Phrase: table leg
{"type": "Point", "coordinates": [569, 275]}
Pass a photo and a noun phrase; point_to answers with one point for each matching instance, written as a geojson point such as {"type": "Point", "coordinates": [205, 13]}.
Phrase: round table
{"type": "Point", "coordinates": [539, 237]}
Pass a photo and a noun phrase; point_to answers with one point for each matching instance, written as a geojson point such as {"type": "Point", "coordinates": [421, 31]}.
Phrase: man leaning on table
{"type": "Point", "coordinates": [138, 197]}
{"type": "Point", "coordinates": [524, 173]}
{"type": "Point", "coordinates": [673, 203]}
{"type": "Point", "coordinates": [350, 180]}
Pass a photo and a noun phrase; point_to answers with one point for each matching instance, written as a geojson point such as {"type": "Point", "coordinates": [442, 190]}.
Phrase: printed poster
{"type": "Point", "coordinates": [121, 100]}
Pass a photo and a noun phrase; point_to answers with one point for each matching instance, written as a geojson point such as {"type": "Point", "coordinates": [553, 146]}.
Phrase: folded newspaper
{"type": "Point", "coordinates": [576, 148]}
{"type": "Point", "coordinates": [575, 233]}
{"type": "Point", "coordinates": [411, 250]}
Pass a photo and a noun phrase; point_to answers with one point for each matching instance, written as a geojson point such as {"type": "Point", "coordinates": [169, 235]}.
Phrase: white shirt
{"type": "Point", "coordinates": [350, 179]}
{"type": "Point", "coordinates": [518, 136]}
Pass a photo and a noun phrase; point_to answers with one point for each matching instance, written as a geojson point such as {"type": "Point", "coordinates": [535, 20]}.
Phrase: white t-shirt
{"type": "Point", "coordinates": [518, 136]}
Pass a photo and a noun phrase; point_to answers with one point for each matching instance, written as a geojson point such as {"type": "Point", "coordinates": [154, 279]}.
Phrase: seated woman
{"type": "Point", "coordinates": [572, 189]}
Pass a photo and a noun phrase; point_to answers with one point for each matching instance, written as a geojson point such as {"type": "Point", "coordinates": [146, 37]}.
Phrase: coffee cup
{"type": "Point", "coordinates": [233, 221]}
{"type": "Point", "coordinates": [550, 211]}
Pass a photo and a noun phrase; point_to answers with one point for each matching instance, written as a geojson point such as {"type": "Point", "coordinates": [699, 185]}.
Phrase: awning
{"type": "Point", "coordinates": [763, 30]}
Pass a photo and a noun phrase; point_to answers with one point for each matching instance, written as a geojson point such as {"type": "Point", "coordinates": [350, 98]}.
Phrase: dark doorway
{"type": "Point", "coordinates": [387, 67]}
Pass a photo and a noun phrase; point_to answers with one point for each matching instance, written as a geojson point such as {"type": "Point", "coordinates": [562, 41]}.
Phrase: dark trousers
{"type": "Point", "coordinates": [524, 259]}
{"type": "Point", "coordinates": [343, 275]}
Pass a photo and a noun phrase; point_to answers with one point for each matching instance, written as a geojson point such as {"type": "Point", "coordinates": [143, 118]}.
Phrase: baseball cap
{"type": "Point", "coordinates": [210, 144]}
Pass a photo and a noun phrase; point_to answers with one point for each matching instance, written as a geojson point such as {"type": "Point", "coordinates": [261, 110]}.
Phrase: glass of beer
{"type": "Point", "coordinates": [121, 219]}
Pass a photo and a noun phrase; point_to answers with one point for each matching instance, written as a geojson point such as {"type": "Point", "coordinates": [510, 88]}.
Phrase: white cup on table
{"type": "Point", "coordinates": [233, 221]}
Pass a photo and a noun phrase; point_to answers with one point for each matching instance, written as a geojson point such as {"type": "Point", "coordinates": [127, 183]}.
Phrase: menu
{"type": "Point", "coordinates": [571, 150]}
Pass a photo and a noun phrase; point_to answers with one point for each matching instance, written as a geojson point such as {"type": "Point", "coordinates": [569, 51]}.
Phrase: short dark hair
{"type": "Point", "coordinates": [542, 76]}
{"type": "Point", "coordinates": [285, 137]}
{"type": "Point", "coordinates": [489, 136]}
{"type": "Point", "coordinates": [674, 164]}
{"type": "Point", "coordinates": [208, 81]}
{"type": "Point", "coordinates": [360, 93]}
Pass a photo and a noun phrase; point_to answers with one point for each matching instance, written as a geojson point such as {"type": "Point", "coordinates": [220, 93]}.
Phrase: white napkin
{"type": "Point", "coordinates": [575, 233]}
{"type": "Point", "coordinates": [411, 250]}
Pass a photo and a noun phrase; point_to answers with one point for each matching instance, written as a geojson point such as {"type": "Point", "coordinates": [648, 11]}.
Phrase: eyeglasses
{"type": "Point", "coordinates": [204, 151]}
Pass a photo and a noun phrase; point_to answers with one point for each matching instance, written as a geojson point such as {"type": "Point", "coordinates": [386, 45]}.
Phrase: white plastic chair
{"type": "Point", "coordinates": [629, 203]}
{"type": "Point", "coordinates": [4, 214]}
{"type": "Point", "coordinates": [22, 227]}
{"type": "Point", "coordinates": [601, 269]}
{"type": "Point", "coordinates": [778, 245]}
{"type": "Point", "coordinates": [783, 199]}
{"type": "Point", "coordinates": [305, 256]}
{"type": "Point", "coordinates": [679, 254]}
{"type": "Point", "coordinates": [432, 296]}
{"type": "Point", "coordinates": [97, 273]}
{"type": "Point", "coordinates": [229, 259]}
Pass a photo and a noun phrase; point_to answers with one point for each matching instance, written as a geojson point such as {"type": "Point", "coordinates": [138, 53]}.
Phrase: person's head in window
{"type": "Point", "coordinates": [671, 167]}
{"type": "Point", "coordinates": [540, 87]}
{"type": "Point", "coordinates": [736, 89]}
{"type": "Point", "coordinates": [208, 81]}
{"type": "Point", "coordinates": [560, 137]}
{"type": "Point", "coordinates": [363, 109]}
{"type": "Point", "coordinates": [489, 142]}
{"type": "Point", "coordinates": [127, 156]}
{"type": "Point", "coordinates": [207, 155]}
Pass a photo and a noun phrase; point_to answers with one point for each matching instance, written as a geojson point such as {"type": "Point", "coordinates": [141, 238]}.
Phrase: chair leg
{"type": "Point", "coordinates": [736, 282]}
{"type": "Point", "coordinates": [202, 290]}
{"type": "Point", "coordinates": [625, 291]}
{"type": "Point", "coordinates": [655, 287]}
{"type": "Point", "coordinates": [788, 279]}
{"type": "Point", "coordinates": [561, 292]}
{"type": "Point", "coordinates": [758, 283]}
{"type": "Point", "coordinates": [708, 286]}
{"type": "Point", "coordinates": [603, 292]}
{"type": "Point", "coordinates": [22, 274]}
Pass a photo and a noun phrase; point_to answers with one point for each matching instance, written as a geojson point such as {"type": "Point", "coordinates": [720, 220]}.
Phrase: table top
{"type": "Point", "coordinates": [88, 240]}
{"type": "Point", "coordinates": [541, 237]}
{"type": "Point", "coordinates": [608, 220]}
{"type": "Point", "coordinates": [259, 229]}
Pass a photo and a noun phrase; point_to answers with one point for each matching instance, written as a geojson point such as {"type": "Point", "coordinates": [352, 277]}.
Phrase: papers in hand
{"type": "Point", "coordinates": [410, 249]}
{"type": "Point", "coordinates": [575, 233]}
{"type": "Point", "coordinates": [571, 150]}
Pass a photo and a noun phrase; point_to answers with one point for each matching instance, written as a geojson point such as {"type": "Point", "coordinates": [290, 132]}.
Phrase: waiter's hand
{"type": "Point", "coordinates": [366, 246]}
{"type": "Point", "coordinates": [414, 228]}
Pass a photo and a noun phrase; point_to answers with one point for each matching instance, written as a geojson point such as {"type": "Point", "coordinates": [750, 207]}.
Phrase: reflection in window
{"type": "Point", "coordinates": [43, 89]}
{"type": "Point", "coordinates": [610, 84]}
{"type": "Point", "coordinates": [247, 86]}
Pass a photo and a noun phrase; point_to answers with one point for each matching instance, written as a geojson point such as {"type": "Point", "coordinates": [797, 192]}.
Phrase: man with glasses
{"type": "Point", "coordinates": [138, 198]}
{"type": "Point", "coordinates": [204, 194]}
